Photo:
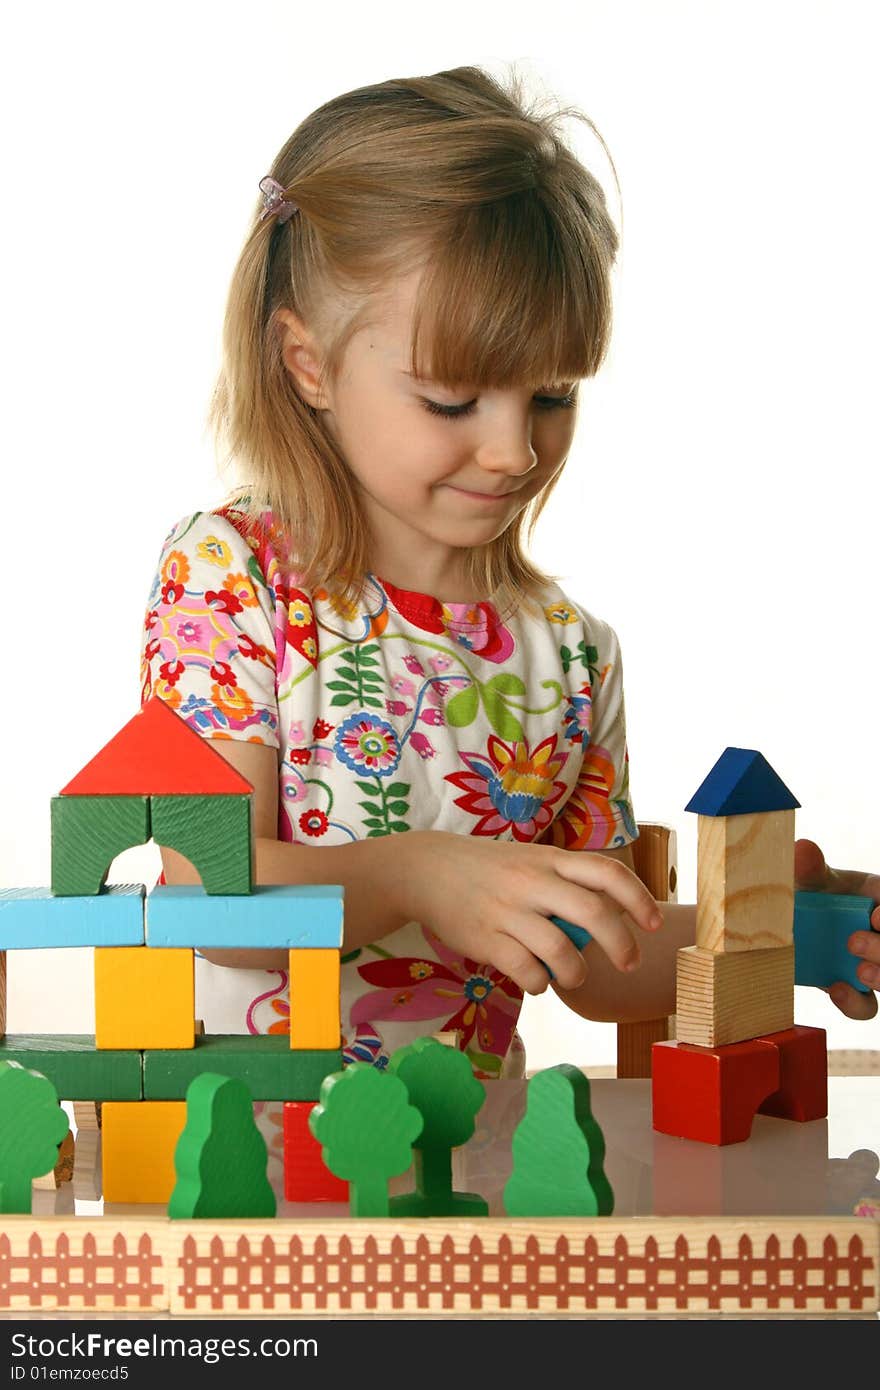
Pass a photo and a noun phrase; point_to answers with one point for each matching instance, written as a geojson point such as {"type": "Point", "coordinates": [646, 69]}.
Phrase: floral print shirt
{"type": "Point", "coordinates": [402, 712]}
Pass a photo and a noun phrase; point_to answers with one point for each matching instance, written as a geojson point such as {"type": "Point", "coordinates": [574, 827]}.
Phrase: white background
{"type": "Point", "coordinates": [720, 505]}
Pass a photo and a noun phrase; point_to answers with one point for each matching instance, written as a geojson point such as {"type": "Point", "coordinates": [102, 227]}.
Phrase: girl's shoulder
{"type": "Point", "coordinates": [557, 609]}
{"type": "Point", "coordinates": [230, 533]}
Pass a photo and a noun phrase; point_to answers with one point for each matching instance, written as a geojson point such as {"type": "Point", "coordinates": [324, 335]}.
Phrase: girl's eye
{"type": "Point", "coordinates": [456, 412]}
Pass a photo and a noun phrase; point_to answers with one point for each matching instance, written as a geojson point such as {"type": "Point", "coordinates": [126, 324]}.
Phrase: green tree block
{"type": "Point", "coordinates": [366, 1127]}
{"type": "Point", "coordinates": [215, 833]}
{"type": "Point", "coordinates": [558, 1151]}
{"type": "Point", "coordinates": [266, 1063]}
{"type": "Point", "coordinates": [441, 1085]}
{"type": "Point", "coordinates": [76, 1068]}
{"type": "Point", "coordinates": [87, 834]}
{"type": "Point", "coordinates": [220, 1158]}
{"type": "Point", "coordinates": [32, 1125]}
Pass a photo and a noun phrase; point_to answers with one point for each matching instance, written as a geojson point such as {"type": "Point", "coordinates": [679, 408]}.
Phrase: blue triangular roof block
{"type": "Point", "coordinates": [742, 781]}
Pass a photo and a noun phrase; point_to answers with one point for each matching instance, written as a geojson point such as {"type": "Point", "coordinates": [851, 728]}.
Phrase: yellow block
{"type": "Point", "coordinates": [138, 1139]}
{"type": "Point", "coordinates": [144, 996]}
{"type": "Point", "coordinates": [314, 998]}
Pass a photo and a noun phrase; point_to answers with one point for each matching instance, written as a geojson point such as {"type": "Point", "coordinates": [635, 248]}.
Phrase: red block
{"type": "Point", "coordinates": [803, 1075]}
{"type": "Point", "coordinates": [711, 1093]}
{"type": "Point", "coordinates": [306, 1179]}
{"type": "Point", "coordinates": [157, 754]}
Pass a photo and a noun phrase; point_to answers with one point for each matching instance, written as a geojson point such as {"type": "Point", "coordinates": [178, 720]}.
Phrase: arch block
{"type": "Point", "coordinates": [215, 833]}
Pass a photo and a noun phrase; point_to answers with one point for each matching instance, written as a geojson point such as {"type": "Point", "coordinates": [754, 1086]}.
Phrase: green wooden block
{"type": "Point", "coordinates": [558, 1151]}
{"type": "Point", "coordinates": [441, 1085]}
{"type": "Point", "coordinates": [221, 1156]}
{"type": "Point", "coordinates": [32, 1125]}
{"type": "Point", "coordinates": [87, 834]}
{"type": "Point", "coordinates": [77, 1069]}
{"type": "Point", "coordinates": [215, 833]}
{"type": "Point", "coordinates": [266, 1063]}
{"type": "Point", "coordinates": [366, 1128]}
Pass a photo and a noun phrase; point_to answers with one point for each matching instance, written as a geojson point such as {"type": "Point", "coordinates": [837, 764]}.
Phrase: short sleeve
{"type": "Point", "coordinates": [598, 814]}
{"type": "Point", "coordinates": [209, 634]}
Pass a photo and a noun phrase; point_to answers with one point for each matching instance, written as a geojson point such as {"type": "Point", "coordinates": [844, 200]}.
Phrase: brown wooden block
{"type": "Point", "coordinates": [634, 1043]}
{"type": "Point", "coordinates": [654, 858]}
{"type": "Point", "coordinates": [727, 997]}
{"type": "Point", "coordinates": [745, 881]}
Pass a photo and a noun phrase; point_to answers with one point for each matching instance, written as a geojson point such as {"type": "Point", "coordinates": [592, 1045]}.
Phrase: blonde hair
{"type": "Point", "coordinates": [451, 173]}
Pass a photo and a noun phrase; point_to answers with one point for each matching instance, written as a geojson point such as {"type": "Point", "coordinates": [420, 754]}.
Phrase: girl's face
{"type": "Point", "coordinates": [438, 470]}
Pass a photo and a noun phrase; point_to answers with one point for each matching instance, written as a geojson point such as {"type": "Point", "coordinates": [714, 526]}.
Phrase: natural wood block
{"type": "Point", "coordinates": [314, 999]}
{"type": "Point", "coordinates": [144, 997]}
{"type": "Point", "coordinates": [215, 833]}
{"type": "Point", "coordinates": [88, 832]}
{"type": "Point", "coordinates": [729, 997]}
{"type": "Point", "coordinates": [87, 1166]}
{"type": "Point", "coordinates": [745, 881]}
{"type": "Point", "coordinates": [87, 1113]}
{"type": "Point", "coordinates": [137, 1142]}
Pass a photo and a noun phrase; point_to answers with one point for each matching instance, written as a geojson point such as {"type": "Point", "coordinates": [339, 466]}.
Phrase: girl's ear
{"type": "Point", "coordinates": [302, 358]}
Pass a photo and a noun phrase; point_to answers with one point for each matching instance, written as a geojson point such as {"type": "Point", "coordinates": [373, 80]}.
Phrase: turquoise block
{"type": "Point", "coordinates": [823, 923]}
{"type": "Point", "coordinates": [273, 915]}
{"type": "Point", "coordinates": [33, 918]}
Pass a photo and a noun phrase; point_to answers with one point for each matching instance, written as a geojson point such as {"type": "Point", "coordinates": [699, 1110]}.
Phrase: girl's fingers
{"type": "Point", "coordinates": [514, 959]}
{"type": "Point", "coordinates": [603, 919]}
{"type": "Point", "coordinates": [600, 874]}
{"type": "Point", "coordinates": [852, 1002]}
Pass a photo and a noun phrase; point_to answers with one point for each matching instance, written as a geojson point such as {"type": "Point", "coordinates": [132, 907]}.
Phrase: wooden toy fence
{"type": "Point", "coordinates": [785, 1266]}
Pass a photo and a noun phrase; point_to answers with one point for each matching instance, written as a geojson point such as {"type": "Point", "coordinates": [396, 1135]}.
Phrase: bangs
{"type": "Point", "coordinates": [513, 298]}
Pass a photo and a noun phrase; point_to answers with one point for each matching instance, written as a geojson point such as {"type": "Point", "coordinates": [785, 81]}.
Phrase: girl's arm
{"type": "Point", "coordinates": [489, 900]}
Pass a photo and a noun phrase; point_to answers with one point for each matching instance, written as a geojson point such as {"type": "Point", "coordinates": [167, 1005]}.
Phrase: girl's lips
{"type": "Point", "coordinates": [479, 496]}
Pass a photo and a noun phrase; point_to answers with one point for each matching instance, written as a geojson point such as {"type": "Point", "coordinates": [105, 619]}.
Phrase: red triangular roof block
{"type": "Point", "coordinates": [157, 754]}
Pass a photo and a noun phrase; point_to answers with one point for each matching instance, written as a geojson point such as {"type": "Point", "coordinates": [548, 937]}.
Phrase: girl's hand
{"type": "Point", "coordinates": [493, 899]}
{"type": "Point", "coordinates": [812, 874]}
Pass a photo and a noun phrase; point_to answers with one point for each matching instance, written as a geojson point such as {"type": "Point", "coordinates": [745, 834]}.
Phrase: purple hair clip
{"type": "Point", "coordinates": [275, 201]}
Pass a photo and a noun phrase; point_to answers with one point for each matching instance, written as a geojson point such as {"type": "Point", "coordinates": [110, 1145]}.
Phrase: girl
{"type": "Point", "coordinates": [426, 280]}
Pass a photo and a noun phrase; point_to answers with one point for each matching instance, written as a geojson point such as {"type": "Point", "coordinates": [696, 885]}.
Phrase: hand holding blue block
{"type": "Point", "coordinates": [823, 923]}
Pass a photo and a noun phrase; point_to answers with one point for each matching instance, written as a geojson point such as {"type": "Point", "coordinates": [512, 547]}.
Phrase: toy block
{"type": "Point", "coordinates": [802, 1093]}
{"type": "Point", "coordinates": [157, 754]}
{"type": "Point", "coordinates": [823, 924]}
{"type": "Point", "coordinates": [558, 1151]}
{"type": "Point", "coordinates": [366, 1128]}
{"type": "Point", "coordinates": [32, 1125]}
{"type": "Point", "coordinates": [63, 1170]}
{"type": "Point", "coordinates": [655, 853]}
{"type": "Point", "coordinates": [77, 1069]}
{"type": "Point", "coordinates": [215, 833]}
{"type": "Point", "coordinates": [306, 1179]}
{"type": "Point", "coordinates": [745, 881]}
{"type": "Point", "coordinates": [728, 997]}
{"type": "Point", "coordinates": [137, 1149]}
{"type": "Point", "coordinates": [87, 1113]}
{"type": "Point", "coordinates": [88, 832]}
{"type": "Point", "coordinates": [634, 1043]}
{"type": "Point", "coordinates": [265, 1062]}
{"type": "Point", "coordinates": [87, 1166]}
{"type": "Point", "coordinates": [741, 781]}
{"type": "Point", "coordinates": [34, 918]}
{"type": "Point", "coordinates": [314, 1000]}
{"type": "Point", "coordinates": [221, 1156]}
{"type": "Point", "coordinates": [272, 915]}
{"type": "Point", "coordinates": [144, 997]}
{"type": "Point", "coordinates": [711, 1094]}
{"type": "Point", "coordinates": [441, 1085]}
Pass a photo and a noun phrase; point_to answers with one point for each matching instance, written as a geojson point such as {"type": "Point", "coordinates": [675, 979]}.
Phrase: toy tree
{"type": "Point", "coordinates": [558, 1151]}
{"type": "Point", "coordinates": [221, 1156]}
{"type": "Point", "coordinates": [366, 1126]}
{"type": "Point", "coordinates": [442, 1086]}
{"type": "Point", "coordinates": [32, 1125]}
